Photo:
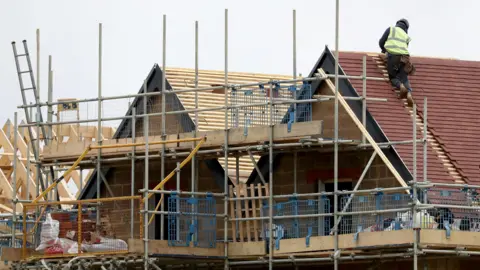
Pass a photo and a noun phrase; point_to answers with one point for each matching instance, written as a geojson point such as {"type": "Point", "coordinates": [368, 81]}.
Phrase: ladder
{"type": "Point", "coordinates": [23, 89]}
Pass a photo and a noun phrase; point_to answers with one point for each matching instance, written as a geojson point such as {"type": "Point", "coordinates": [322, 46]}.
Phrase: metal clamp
{"type": "Point", "coordinates": [446, 224]}
{"type": "Point", "coordinates": [307, 239]}
{"type": "Point", "coordinates": [276, 85]}
{"type": "Point", "coordinates": [245, 127]}
{"type": "Point", "coordinates": [379, 206]}
{"type": "Point", "coordinates": [279, 237]}
{"type": "Point", "coordinates": [396, 225]}
{"type": "Point", "coordinates": [292, 119]}
{"type": "Point", "coordinates": [359, 230]}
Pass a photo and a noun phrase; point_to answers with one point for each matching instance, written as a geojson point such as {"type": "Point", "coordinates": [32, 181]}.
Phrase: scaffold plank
{"type": "Point", "coordinates": [160, 247]}
{"type": "Point", "coordinates": [346, 241]}
{"type": "Point", "coordinates": [438, 238]}
{"type": "Point", "coordinates": [245, 249]}
{"type": "Point", "coordinates": [215, 138]}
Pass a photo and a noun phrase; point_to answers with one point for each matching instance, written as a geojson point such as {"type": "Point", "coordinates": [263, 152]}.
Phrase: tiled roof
{"type": "Point", "coordinates": [451, 89]}
{"type": "Point", "coordinates": [182, 78]}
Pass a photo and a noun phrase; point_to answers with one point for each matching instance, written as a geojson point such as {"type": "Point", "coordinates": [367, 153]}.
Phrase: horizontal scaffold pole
{"type": "Point", "coordinates": [85, 152]}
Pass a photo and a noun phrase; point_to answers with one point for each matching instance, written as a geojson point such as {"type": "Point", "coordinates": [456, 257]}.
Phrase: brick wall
{"type": "Point", "coordinates": [320, 165]}
{"type": "Point", "coordinates": [377, 176]}
{"type": "Point", "coordinates": [325, 111]}
{"type": "Point", "coordinates": [173, 123]}
{"type": "Point", "coordinates": [119, 180]}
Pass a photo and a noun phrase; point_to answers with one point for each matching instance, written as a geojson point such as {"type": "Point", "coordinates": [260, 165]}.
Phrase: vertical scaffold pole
{"type": "Point", "coordinates": [270, 181]}
{"type": "Point", "coordinates": [225, 177]}
{"type": "Point", "coordinates": [28, 171]}
{"type": "Point", "coordinates": [132, 188]}
{"type": "Point", "coordinates": [237, 170]}
{"type": "Point", "coordinates": [178, 210]}
{"type": "Point", "coordinates": [364, 95]}
{"type": "Point", "coordinates": [162, 165]}
{"type": "Point", "coordinates": [99, 123]}
{"type": "Point", "coordinates": [295, 154]}
{"type": "Point", "coordinates": [146, 124]}
{"type": "Point", "coordinates": [38, 177]}
{"type": "Point", "coordinates": [194, 179]}
{"type": "Point", "coordinates": [50, 99]}
{"type": "Point", "coordinates": [425, 146]}
{"type": "Point", "coordinates": [38, 63]}
{"type": "Point", "coordinates": [295, 95]}
{"type": "Point", "coordinates": [415, 226]}
{"type": "Point", "coordinates": [295, 63]}
{"type": "Point", "coordinates": [50, 96]}
{"type": "Point", "coordinates": [335, 159]}
{"type": "Point", "coordinates": [49, 136]}
{"type": "Point", "coordinates": [37, 150]}
{"type": "Point", "coordinates": [195, 131]}
{"type": "Point", "coordinates": [14, 197]}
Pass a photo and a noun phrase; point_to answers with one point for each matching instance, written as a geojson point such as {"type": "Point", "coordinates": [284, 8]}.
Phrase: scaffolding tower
{"type": "Point", "coordinates": [191, 216]}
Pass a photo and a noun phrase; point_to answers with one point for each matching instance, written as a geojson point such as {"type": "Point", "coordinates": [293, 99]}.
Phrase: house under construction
{"type": "Point", "coordinates": [229, 170]}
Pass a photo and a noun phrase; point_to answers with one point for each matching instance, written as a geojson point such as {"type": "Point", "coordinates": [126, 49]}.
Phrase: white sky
{"type": "Point", "coordinates": [260, 38]}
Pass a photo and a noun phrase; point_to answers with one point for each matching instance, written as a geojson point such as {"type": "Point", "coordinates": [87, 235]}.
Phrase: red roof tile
{"type": "Point", "coordinates": [452, 92]}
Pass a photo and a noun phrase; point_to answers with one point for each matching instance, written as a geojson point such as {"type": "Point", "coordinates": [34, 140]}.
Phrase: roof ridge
{"type": "Point", "coordinates": [439, 149]}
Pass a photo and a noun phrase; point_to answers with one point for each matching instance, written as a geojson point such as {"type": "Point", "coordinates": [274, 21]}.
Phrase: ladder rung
{"type": "Point", "coordinates": [22, 72]}
{"type": "Point", "coordinates": [25, 89]}
{"type": "Point", "coordinates": [23, 54]}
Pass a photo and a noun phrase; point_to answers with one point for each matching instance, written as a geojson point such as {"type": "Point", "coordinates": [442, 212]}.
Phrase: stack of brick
{"type": "Point", "coordinates": [69, 225]}
{"type": "Point", "coordinates": [65, 223]}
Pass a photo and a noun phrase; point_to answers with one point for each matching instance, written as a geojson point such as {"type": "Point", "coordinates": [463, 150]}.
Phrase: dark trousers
{"type": "Point", "coordinates": [396, 71]}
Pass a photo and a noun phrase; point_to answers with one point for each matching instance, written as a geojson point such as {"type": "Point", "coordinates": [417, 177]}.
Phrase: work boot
{"type": "Point", "coordinates": [403, 91]}
{"type": "Point", "coordinates": [409, 99]}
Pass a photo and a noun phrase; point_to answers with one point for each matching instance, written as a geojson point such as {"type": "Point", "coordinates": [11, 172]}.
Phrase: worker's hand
{"type": "Point", "coordinates": [413, 70]}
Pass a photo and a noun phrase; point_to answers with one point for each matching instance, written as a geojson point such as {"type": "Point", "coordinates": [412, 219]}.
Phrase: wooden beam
{"type": "Point", "coordinates": [215, 139]}
{"type": "Point", "coordinates": [438, 238]}
{"type": "Point", "coordinates": [22, 146]}
{"type": "Point", "coordinates": [161, 247]}
{"type": "Point", "coordinates": [74, 175]}
{"type": "Point", "coordinates": [347, 241]}
{"type": "Point", "coordinates": [64, 192]}
{"type": "Point", "coordinates": [73, 134]}
{"type": "Point", "coordinates": [369, 138]}
{"type": "Point", "coordinates": [7, 141]}
{"type": "Point", "coordinates": [7, 192]}
{"type": "Point", "coordinates": [21, 170]}
{"type": "Point", "coordinates": [5, 209]}
{"type": "Point", "coordinates": [8, 128]}
{"type": "Point", "coordinates": [244, 249]}
{"type": "Point", "coordinates": [6, 167]}
{"type": "Point", "coordinates": [15, 254]}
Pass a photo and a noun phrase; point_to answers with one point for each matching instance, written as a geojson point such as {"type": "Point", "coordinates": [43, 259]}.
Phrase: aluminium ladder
{"type": "Point", "coordinates": [32, 88]}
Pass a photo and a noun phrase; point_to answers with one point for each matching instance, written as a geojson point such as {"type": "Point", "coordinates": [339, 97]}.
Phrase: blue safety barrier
{"type": "Point", "coordinates": [295, 227]}
{"type": "Point", "coordinates": [192, 220]}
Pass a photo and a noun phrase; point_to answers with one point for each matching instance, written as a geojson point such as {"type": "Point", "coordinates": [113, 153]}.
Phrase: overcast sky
{"type": "Point", "coordinates": [260, 38]}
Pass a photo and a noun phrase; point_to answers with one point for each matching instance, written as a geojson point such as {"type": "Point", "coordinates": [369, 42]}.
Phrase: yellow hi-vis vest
{"type": "Point", "coordinates": [397, 41]}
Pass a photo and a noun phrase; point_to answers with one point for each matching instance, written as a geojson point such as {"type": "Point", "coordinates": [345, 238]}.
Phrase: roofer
{"type": "Point", "coordinates": [395, 42]}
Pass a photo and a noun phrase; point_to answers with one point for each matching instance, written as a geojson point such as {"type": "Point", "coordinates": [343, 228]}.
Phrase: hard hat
{"type": "Point", "coordinates": [404, 21]}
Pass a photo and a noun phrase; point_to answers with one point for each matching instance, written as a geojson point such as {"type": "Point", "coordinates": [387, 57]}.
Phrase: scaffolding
{"type": "Point", "coordinates": [192, 217]}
